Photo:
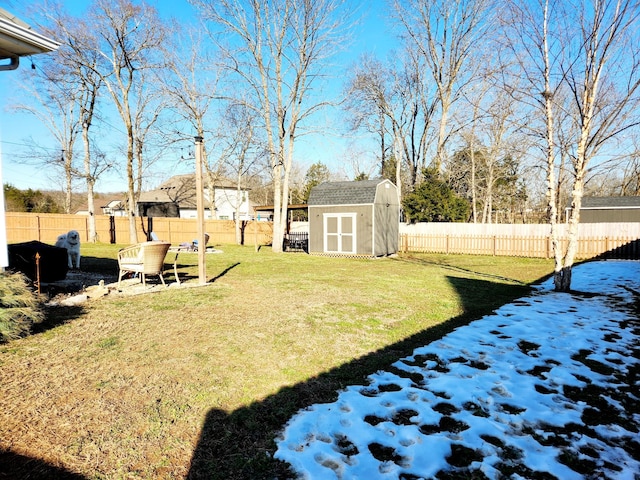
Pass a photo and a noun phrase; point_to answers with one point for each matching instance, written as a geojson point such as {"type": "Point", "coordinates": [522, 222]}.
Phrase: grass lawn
{"type": "Point", "coordinates": [198, 381]}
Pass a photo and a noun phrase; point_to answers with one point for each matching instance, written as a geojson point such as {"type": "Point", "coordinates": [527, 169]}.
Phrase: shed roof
{"type": "Point", "coordinates": [610, 202]}
{"type": "Point", "coordinates": [345, 193]}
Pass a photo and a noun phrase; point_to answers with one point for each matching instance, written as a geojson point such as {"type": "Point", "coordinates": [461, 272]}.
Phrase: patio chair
{"type": "Point", "coordinates": [146, 258]}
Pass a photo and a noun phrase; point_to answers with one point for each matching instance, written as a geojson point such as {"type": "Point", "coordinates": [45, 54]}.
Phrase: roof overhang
{"type": "Point", "coordinates": [17, 40]}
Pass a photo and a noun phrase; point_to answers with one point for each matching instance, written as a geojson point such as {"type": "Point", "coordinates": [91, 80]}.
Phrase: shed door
{"type": "Point", "coordinates": [340, 233]}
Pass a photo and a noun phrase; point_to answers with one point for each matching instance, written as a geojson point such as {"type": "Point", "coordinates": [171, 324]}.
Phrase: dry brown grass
{"type": "Point", "coordinates": [197, 381]}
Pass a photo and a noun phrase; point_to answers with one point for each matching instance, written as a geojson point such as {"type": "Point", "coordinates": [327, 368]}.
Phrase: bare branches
{"type": "Point", "coordinates": [446, 34]}
{"type": "Point", "coordinates": [128, 40]}
{"type": "Point", "coordinates": [279, 48]}
{"type": "Point", "coordinates": [589, 90]}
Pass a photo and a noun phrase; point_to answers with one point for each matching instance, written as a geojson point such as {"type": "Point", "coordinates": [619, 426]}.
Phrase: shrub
{"type": "Point", "coordinates": [19, 307]}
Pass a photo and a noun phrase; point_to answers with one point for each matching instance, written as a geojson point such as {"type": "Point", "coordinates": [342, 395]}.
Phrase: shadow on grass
{"type": "Point", "coordinates": [100, 265]}
{"type": "Point", "coordinates": [225, 271]}
{"type": "Point", "coordinates": [56, 316]}
{"type": "Point", "coordinates": [186, 276]}
{"type": "Point", "coordinates": [240, 444]}
{"type": "Point", "coordinates": [14, 466]}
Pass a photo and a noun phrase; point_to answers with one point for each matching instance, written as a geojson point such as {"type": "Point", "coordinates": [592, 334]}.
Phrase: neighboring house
{"type": "Point", "coordinates": [610, 210]}
{"type": "Point", "coordinates": [359, 218]}
{"type": "Point", "coordinates": [180, 191]}
{"type": "Point", "coordinates": [17, 40]}
{"type": "Point", "coordinates": [111, 206]}
{"type": "Point", "coordinates": [114, 207]}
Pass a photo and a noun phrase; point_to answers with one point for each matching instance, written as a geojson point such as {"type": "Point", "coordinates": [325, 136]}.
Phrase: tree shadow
{"type": "Point", "coordinates": [225, 271]}
{"type": "Point", "coordinates": [15, 467]}
{"type": "Point", "coordinates": [240, 444]}
{"type": "Point", "coordinates": [189, 276]}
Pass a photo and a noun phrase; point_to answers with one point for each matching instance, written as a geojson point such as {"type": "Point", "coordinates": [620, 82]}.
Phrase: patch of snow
{"type": "Point", "coordinates": [501, 393]}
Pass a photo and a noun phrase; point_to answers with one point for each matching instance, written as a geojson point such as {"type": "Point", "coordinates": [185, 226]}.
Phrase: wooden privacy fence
{"type": "Point", "coordinates": [24, 227]}
{"type": "Point", "coordinates": [519, 246]}
{"type": "Point", "coordinates": [611, 240]}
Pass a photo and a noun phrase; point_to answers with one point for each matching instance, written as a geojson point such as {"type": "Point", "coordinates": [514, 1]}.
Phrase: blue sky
{"type": "Point", "coordinates": [18, 131]}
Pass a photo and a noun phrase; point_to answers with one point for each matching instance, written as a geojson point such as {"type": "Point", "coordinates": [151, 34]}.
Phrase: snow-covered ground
{"type": "Point", "coordinates": [547, 387]}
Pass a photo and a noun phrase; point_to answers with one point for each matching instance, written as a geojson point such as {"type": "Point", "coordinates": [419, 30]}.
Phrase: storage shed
{"type": "Point", "coordinates": [610, 209]}
{"type": "Point", "coordinates": [359, 218]}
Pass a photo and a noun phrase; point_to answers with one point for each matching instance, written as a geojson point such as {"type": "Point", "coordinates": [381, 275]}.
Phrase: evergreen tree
{"type": "Point", "coordinates": [434, 201]}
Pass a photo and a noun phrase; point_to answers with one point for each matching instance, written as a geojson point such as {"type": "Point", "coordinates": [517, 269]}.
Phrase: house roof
{"type": "Point", "coordinates": [180, 189]}
{"type": "Point", "coordinates": [101, 202]}
{"type": "Point", "coordinates": [602, 203]}
{"type": "Point", "coordinates": [18, 39]}
{"type": "Point", "coordinates": [345, 193]}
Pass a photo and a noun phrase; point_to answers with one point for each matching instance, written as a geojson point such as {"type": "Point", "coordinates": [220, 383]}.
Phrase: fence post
{"type": "Point", "coordinates": [38, 225]}
{"type": "Point", "coordinates": [495, 247]}
{"type": "Point", "coordinates": [254, 224]}
{"type": "Point", "coordinates": [548, 247]}
{"type": "Point", "coordinates": [112, 229]}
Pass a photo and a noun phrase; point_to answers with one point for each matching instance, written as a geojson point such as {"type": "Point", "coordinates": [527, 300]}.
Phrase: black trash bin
{"type": "Point", "coordinates": [54, 264]}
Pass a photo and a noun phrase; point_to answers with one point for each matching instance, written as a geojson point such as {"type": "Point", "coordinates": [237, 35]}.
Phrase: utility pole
{"type": "Point", "coordinates": [202, 265]}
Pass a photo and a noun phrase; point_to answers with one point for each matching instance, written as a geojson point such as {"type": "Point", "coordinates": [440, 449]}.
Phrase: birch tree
{"type": "Point", "coordinates": [277, 50]}
{"type": "Point", "coordinates": [585, 49]}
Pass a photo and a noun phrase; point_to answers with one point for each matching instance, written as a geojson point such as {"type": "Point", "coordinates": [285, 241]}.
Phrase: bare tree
{"type": "Point", "coordinates": [630, 181]}
{"type": "Point", "coordinates": [128, 37]}
{"type": "Point", "coordinates": [603, 80]}
{"type": "Point", "coordinates": [241, 154]}
{"type": "Point", "coordinates": [367, 101]}
{"type": "Point", "coordinates": [279, 49]}
{"type": "Point", "coordinates": [56, 97]}
{"type": "Point", "coordinates": [80, 57]}
{"type": "Point", "coordinates": [393, 102]}
{"type": "Point", "coordinates": [501, 166]}
{"type": "Point", "coordinates": [445, 34]}
{"type": "Point", "coordinates": [191, 84]}
{"type": "Point", "coordinates": [581, 49]}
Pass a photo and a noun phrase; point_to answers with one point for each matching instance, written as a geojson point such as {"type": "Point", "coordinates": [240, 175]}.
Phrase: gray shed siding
{"type": "Point", "coordinates": [594, 215]}
{"type": "Point", "coordinates": [387, 222]}
{"type": "Point", "coordinates": [363, 226]}
{"type": "Point", "coordinates": [354, 218]}
{"type": "Point", "coordinates": [610, 209]}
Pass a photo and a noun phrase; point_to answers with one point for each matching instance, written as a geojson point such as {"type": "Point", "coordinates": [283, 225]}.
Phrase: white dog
{"type": "Point", "coordinates": [71, 241]}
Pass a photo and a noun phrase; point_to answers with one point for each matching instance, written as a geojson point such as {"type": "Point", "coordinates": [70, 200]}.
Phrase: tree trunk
{"type": "Point", "coordinates": [397, 147]}
{"type": "Point", "coordinates": [68, 176]}
{"type": "Point", "coordinates": [474, 206]}
{"type": "Point", "coordinates": [442, 134]}
{"type": "Point", "coordinates": [90, 182]}
{"type": "Point", "coordinates": [131, 207]}
{"type": "Point", "coordinates": [278, 227]}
